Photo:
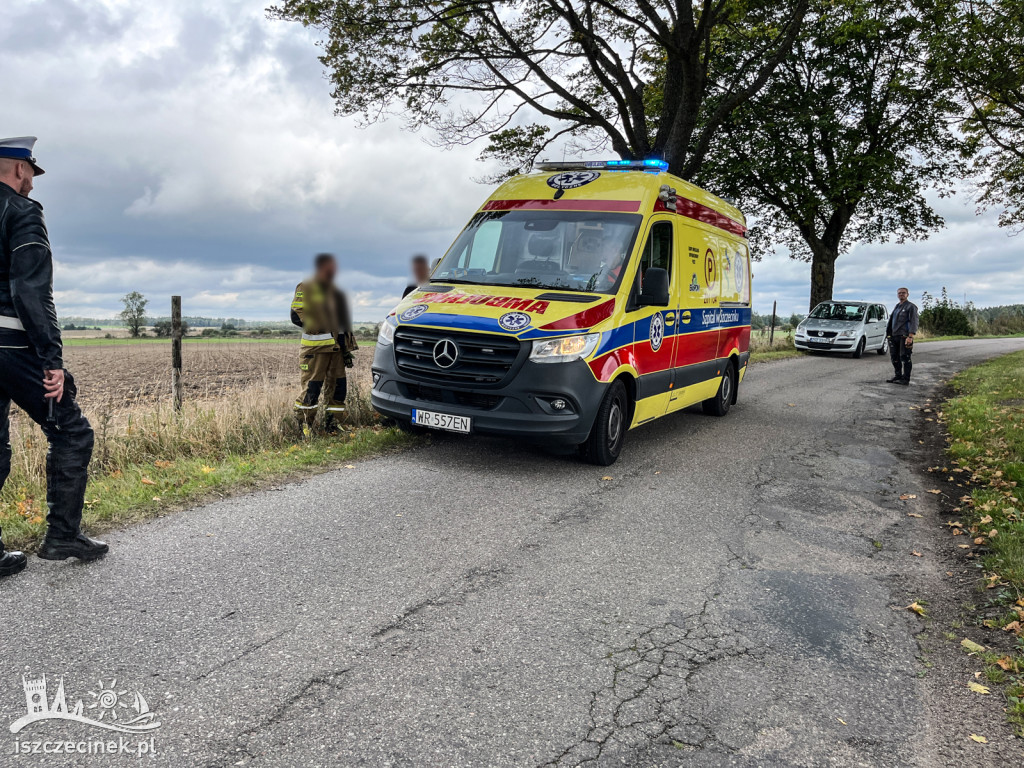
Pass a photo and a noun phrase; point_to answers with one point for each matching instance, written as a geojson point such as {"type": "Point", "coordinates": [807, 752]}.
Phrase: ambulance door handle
{"type": "Point", "coordinates": [670, 318]}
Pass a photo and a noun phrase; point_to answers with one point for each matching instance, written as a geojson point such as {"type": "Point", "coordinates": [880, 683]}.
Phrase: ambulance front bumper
{"type": "Point", "coordinates": [526, 406]}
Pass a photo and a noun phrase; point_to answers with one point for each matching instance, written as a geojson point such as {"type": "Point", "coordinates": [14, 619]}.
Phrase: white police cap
{"type": "Point", "coordinates": [20, 148]}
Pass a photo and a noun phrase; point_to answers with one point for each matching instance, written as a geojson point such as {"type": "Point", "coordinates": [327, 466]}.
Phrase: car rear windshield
{"type": "Point", "coordinates": [833, 311]}
{"type": "Point", "coordinates": [559, 250]}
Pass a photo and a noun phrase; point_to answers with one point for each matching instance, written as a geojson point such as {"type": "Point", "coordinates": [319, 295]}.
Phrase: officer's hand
{"type": "Point", "coordinates": [53, 383]}
{"type": "Point", "coordinates": [350, 361]}
{"type": "Point", "coordinates": [909, 342]}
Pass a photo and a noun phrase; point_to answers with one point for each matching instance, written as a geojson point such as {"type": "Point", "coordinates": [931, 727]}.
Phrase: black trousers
{"type": "Point", "coordinates": [69, 435]}
{"type": "Point", "coordinates": [900, 355]}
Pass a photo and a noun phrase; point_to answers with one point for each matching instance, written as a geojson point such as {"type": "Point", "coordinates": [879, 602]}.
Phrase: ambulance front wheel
{"type": "Point", "coordinates": [719, 404]}
{"type": "Point", "coordinates": [609, 431]}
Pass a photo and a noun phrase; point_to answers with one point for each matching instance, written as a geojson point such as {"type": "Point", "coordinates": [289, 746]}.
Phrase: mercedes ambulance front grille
{"type": "Point", "coordinates": [482, 359]}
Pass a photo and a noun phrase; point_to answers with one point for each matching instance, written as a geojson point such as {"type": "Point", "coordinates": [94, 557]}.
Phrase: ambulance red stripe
{"type": "Point", "coordinates": [694, 210]}
{"type": "Point", "coordinates": [619, 206]}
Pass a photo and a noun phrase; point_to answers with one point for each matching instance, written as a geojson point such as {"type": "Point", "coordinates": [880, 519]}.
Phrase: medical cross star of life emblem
{"type": "Point", "coordinates": [109, 707]}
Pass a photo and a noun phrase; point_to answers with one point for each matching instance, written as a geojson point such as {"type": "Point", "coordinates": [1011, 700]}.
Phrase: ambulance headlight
{"type": "Point", "coordinates": [387, 333]}
{"type": "Point", "coordinates": [564, 350]}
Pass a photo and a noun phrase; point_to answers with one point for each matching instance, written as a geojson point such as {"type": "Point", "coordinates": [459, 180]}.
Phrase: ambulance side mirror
{"type": "Point", "coordinates": [655, 288]}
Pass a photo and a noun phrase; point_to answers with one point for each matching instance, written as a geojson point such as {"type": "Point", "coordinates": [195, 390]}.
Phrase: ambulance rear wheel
{"type": "Point", "coordinates": [609, 431]}
{"type": "Point", "coordinates": [719, 404]}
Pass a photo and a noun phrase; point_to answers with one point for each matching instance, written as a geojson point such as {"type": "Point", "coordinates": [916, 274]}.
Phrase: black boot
{"type": "Point", "coordinates": [12, 563]}
{"type": "Point", "coordinates": [81, 547]}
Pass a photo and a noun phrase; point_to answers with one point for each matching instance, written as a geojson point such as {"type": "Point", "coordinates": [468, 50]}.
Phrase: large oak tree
{"type": "Point", "coordinates": [842, 144]}
{"type": "Point", "coordinates": [641, 76]}
{"type": "Point", "coordinates": [980, 45]}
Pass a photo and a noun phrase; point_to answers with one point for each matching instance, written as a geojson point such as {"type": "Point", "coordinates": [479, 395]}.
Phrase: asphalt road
{"type": "Point", "coordinates": [729, 593]}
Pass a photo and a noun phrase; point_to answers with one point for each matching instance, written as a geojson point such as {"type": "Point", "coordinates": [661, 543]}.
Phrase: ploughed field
{"type": "Point", "coordinates": [124, 375]}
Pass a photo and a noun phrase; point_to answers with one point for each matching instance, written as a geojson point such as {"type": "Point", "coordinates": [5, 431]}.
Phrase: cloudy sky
{"type": "Point", "coordinates": [191, 148]}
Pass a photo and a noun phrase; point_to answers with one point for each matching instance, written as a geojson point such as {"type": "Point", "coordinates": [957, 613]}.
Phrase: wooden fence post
{"type": "Point", "coordinates": [176, 351]}
{"type": "Point", "coordinates": [771, 333]}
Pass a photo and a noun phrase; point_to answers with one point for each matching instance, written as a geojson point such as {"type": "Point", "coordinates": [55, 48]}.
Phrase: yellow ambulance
{"type": "Point", "coordinates": [581, 301]}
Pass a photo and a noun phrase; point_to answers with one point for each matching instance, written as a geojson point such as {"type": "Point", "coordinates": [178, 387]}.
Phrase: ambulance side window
{"type": "Point", "coordinates": [657, 251]}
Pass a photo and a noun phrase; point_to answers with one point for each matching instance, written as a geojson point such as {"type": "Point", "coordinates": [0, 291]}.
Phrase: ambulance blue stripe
{"type": "Point", "coordinates": [442, 320]}
{"type": "Point", "coordinates": [715, 319]}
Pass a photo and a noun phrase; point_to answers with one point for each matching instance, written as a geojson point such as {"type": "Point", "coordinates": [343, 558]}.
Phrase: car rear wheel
{"type": "Point", "coordinates": [719, 404]}
{"type": "Point", "coordinates": [884, 348]}
{"type": "Point", "coordinates": [609, 431]}
{"type": "Point", "coordinates": [859, 351]}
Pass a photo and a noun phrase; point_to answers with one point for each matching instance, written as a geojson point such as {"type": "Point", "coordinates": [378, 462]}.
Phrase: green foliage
{"type": "Point", "coordinates": [845, 140]}
{"type": "Point", "coordinates": [134, 313]}
{"type": "Point", "coordinates": [944, 317]}
{"type": "Point", "coordinates": [643, 78]}
{"type": "Point", "coordinates": [163, 328]}
{"type": "Point", "coordinates": [980, 47]}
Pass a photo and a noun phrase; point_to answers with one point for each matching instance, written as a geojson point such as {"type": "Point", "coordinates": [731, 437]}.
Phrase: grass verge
{"type": "Point", "coordinates": [985, 421]}
{"type": "Point", "coordinates": [762, 351]}
{"type": "Point", "coordinates": [925, 339]}
{"type": "Point", "coordinates": [149, 461]}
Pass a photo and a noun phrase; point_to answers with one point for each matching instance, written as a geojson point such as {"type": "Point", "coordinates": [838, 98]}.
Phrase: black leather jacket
{"type": "Point", "coordinates": [26, 277]}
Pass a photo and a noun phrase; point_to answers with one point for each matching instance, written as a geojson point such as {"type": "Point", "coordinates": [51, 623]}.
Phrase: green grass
{"type": "Point", "coordinates": [193, 340]}
{"type": "Point", "coordinates": [925, 339]}
{"type": "Point", "coordinates": [985, 421]}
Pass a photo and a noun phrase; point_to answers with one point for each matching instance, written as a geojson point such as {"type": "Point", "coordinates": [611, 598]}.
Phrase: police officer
{"type": "Point", "coordinates": [328, 343]}
{"type": "Point", "coordinates": [900, 330]}
{"type": "Point", "coordinates": [32, 371]}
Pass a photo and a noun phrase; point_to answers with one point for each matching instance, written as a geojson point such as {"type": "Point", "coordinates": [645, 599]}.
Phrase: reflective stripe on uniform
{"type": "Point", "coordinates": [300, 406]}
{"type": "Point", "coordinates": [317, 339]}
{"type": "Point", "coordinates": [335, 409]}
{"type": "Point", "coordinates": [12, 323]}
{"type": "Point", "coordinates": [298, 305]}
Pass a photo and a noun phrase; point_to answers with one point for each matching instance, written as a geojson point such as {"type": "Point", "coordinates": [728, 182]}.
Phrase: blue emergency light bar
{"type": "Point", "coordinates": [650, 165]}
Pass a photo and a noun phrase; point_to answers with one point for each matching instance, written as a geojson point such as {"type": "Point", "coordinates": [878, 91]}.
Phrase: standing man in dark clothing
{"type": "Point", "coordinates": [31, 367]}
{"type": "Point", "coordinates": [901, 329]}
{"type": "Point", "coordinates": [420, 273]}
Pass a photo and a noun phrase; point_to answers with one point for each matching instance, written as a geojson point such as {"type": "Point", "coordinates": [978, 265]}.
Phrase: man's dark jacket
{"type": "Point", "coordinates": [26, 278]}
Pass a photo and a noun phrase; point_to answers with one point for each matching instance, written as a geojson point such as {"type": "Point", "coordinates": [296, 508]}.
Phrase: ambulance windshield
{"type": "Point", "coordinates": [558, 250]}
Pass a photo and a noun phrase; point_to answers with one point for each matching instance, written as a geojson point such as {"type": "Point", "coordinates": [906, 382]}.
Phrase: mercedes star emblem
{"type": "Point", "coordinates": [446, 352]}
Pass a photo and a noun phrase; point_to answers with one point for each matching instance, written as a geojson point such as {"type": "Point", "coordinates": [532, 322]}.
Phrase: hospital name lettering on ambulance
{"type": "Point", "coordinates": [716, 316]}
{"type": "Point", "coordinates": [505, 302]}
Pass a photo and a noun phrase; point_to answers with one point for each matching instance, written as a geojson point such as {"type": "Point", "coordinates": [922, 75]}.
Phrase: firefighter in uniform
{"type": "Point", "coordinates": [32, 373]}
{"type": "Point", "coordinates": [327, 344]}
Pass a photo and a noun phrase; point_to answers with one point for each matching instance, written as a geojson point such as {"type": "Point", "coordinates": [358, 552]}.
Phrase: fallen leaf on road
{"type": "Point", "coordinates": [841, 720]}
{"type": "Point", "coordinates": [916, 554]}
{"type": "Point", "coordinates": [986, 519]}
{"type": "Point", "coordinates": [912, 514]}
{"type": "Point", "coordinates": [934, 490]}
{"type": "Point", "coordinates": [1013, 626]}
{"type": "Point", "coordinates": [906, 496]}
{"type": "Point", "coordinates": [916, 608]}
{"type": "Point", "coordinates": [964, 546]}
{"type": "Point", "coordinates": [1005, 663]}
{"type": "Point", "coordinates": [607, 477]}
{"type": "Point", "coordinates": [993, 533]}
{"type": "Point", "coordinates": [147, 481]}
{"type": "Point", "coordinates": [791, 405]}
{"type": "Point", "coordinates": [979, 739]}
{"type": "Point", "coordinates": [971, 647]}
{"type": "Point", "coordinates": [978, 688]}
{"type": "Point", "coordinates": [979, 540]}
{"type": "Point", "coordinates": [350, 466]}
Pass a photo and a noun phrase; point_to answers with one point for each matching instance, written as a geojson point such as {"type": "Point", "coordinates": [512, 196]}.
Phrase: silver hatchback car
{"type": "Point", "coordinates": [853, 327]}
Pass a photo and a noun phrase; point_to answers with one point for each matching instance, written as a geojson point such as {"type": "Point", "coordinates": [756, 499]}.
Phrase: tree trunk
{"type": "Point", "coordinates": [823, 274]}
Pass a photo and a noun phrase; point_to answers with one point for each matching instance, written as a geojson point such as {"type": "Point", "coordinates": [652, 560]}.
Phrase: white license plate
{"type": "Point", "coordinates": [445, 421]}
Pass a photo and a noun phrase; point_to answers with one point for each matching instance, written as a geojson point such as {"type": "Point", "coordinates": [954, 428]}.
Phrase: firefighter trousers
{"type": "Point", "coordinates": [322, 376]}
{"type": "Point", "coordinates": [70, 437]}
